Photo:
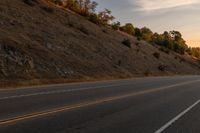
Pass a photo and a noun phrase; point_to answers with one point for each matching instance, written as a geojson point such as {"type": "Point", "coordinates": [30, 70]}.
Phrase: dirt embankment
{"type": "Point", "coordinates": [41, 44]}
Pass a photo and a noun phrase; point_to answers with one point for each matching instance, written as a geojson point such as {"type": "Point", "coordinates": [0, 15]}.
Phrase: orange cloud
{"type": "Point", "coordinates": [149, 5]}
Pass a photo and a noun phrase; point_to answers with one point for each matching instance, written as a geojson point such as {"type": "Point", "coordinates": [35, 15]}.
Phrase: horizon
{"type": "Point", "coordinates": [159, 16]}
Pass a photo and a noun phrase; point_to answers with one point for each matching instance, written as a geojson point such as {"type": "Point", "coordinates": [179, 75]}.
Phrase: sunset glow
{"type": "Point", "coordinates": [159, 15]}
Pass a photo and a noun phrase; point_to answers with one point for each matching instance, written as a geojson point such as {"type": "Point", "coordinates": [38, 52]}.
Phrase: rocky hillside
{"type": "Point", "coordinates": [40, 43]}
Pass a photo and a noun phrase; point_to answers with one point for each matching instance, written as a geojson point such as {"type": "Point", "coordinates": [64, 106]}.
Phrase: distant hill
{"type": "Point", "coordinates": [41, 43]}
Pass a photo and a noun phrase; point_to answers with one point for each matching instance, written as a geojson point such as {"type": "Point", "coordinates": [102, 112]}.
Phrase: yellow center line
{"type": "Point", "coordinates": [81, 105]}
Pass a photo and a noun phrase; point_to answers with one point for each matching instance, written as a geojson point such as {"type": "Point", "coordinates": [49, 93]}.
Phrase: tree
{"type": "Point", "coordinates": [138, 33]}
{"type": "Point", "coordinates": [105, 17]}
{"type": "Point", "coordinates": [167, 40]}
{"type": "Point", "coordinates": [175, 35]}
{"type": "Point", "coordinates": [80, 3]}
{"type": "Point", "coordinates": [116, 25]}
{"type": "Point", "coordinates": [71, 4]}
{"type": "Point", "coordinates": [83, 7]}
{"type": "Point", "coordinates": [128, 28]}
{"type": "Point", "coordinates": [87, 8]}
{"type": "Point", "coordinates": [180, 45]}
{"type": "Point", "coordinates": [93, 6]}
{"type": "Point", "coordinates": [147, 34]}
{"type": "Point", "coordinates": [94, 18]}
{"type": "Point", "coordinates": [196, 52]}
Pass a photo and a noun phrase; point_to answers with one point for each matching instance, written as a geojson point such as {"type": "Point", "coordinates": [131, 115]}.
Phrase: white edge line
{"type": "Point", "coordinates": [86, 88]}
{"type": "Point", "coordinates": [60, 91]}
{"type": "Point", "coordinates": [163, 128]}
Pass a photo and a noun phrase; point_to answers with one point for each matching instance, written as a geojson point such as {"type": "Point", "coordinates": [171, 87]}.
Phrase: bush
{"type": "Point", "coordinates": [30, 2]}
{"type": "Point", "coordinates": [137, 43]}
{"type": "Point", "coordinates": [119, 62]}
{"type": "Point", "coordinates": [147, 72]}
{"type": "Point", "coordinates": [47, 9]}
{"type": "Point", "coordinates": [162, 68]}
{"type": "Point", "coordinates": [165, 50]}
{"type": "Point", "coordinates": [156, 55]}
{"type": "Point", "coordinates": [104, 31]}
{"type": "Point", "coordinates": [70, 24]}
{"type": "Point", "coordinates": [84, 30]}
{"type": "Point", "coordinates": [182, 60]}
{"type": "Point", "coordinates": [93, 18]}
{"type": "Point", "coordinates": [127, 42]}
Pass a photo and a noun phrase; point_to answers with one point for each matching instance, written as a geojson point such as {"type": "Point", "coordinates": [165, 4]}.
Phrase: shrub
{"type": "Point", "coordinates": [137, 43]}
{"type": "Point", "coordinates": [156, 55]}
{"type": "Point", "coordinates": [93, 18]}
{"type": "Point", "coordinates": [47, 9]}
{"type": "Point", "coordinates": [84, 30]}
{"type": "Point", "coordinates": [162, 68]}
{"type": "Point", "coordinates": [182, 60]}
{"type": "Point", "coordinates": [147, 72]}
{"type": "Point", "coordinates": [176, 57]}
{"type": "Point", "coordinates": [30, 2]}
{"type": "Point", "coordinates": [165, 50]}
{"type": "Point", "coordinates": [70, 24]}
{"type": "Point", "coordinates": [119, 62]}
{"type": "Point", "coordinates": [127, 42]}
{"type": "Point", "coordinates": [104, 31]}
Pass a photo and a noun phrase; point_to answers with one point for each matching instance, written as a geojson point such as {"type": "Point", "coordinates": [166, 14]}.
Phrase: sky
{"type": "Point", "coordinates": [159, 15]}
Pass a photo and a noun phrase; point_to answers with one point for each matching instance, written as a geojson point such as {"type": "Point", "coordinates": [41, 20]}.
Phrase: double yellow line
{"type": "Point", "coordinates": [35, 115]}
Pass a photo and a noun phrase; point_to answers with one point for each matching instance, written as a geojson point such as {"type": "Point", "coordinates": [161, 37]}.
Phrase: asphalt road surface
{"type": "Point", "coordinates": [143, 105]}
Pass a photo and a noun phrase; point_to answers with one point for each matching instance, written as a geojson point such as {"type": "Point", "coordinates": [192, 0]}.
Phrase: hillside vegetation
{"type": "Point", "coordinates": [42, 43]}
{"type": "Point", "coordinates": [171, 40]}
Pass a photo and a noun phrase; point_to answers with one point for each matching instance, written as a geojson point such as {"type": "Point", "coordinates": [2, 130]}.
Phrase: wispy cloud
{"type": "Point", "coordinates": [150, 5]}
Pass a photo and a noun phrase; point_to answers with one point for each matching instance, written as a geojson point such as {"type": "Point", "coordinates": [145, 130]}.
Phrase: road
{"type": "Point", "coordinates": [143, 105]}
